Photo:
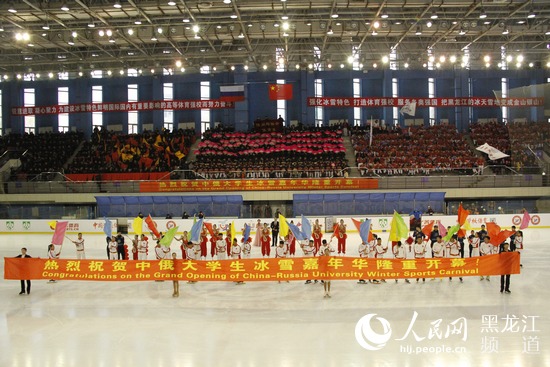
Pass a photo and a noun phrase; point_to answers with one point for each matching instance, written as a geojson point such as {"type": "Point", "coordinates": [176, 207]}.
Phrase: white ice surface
{"type": "Point", "coordinates": [78, 323]}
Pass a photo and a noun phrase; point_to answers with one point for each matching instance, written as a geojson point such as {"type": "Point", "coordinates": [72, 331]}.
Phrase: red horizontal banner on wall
{"type": "Point", "coordinates": [260, 185]}
{"type": "Point", "coordinates": [423, 102]}
{"type": "Point", "coordinates": [185, 104]}
{"type": "Point", "coordinates": [135, 176]}
{"type": "Point", "coordinates": [261, 269]}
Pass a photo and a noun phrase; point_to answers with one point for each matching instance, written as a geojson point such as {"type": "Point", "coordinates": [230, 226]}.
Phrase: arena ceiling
{"type": "Point", "coordinates": [84, 35]}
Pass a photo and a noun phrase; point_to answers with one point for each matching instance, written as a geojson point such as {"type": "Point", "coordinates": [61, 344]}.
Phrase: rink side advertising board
{"type": "Point", "coordinates": [260, 269]}
{"type": "Point", "coordinates": [260, 185]}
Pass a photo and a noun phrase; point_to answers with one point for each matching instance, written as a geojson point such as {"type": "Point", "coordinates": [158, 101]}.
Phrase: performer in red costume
{"type": "Point", "coordinates": [342, 236]}
{"type": "Point", "coordinates": [203, 243]}
{"type": "Point", "coordinates": [265, 241]}
{"type": "Point", "coordinates": [317, 235]}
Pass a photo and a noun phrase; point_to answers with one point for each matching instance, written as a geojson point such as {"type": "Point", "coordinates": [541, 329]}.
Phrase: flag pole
{"type": "Point", "coordinates": [370, 139]}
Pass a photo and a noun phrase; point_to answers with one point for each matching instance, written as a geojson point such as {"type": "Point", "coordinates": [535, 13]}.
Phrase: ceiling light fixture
{"type": "Point", "coordinates": [531, 14]}
{"type": "Point", "coordinates": [434, 15]}
{"type": "Point", "coordinates": [241, 35]}
{"type": "Point", "coordinates": [429, 24]}
{"type": "Point", "coordinates": [117, 5]}
{"type": "Point", "coordinates": [233, 16]}
{"type": "Point", "coordinates": [137, 22]}
{"type": "Point", "coordinates": [384, 14]}
{"type": "Point", "coordinates": [64, 6]}
{"type": "Point", "coordinates": [482, 14]}
{"type": "Point", "coordinates": [227, 1]}
{"type": "Point", "coordinates": [330, 32]}
{"type": "Point", "coordinates": [11, 8]}
{"type": "Point", "coordinates": [418, 31]}
{"type": "Point", "coordinates": [171, 3]}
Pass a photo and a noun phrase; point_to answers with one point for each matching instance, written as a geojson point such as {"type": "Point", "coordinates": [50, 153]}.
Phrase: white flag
{"type": "Point", "coordinates": [409, 108]}
{"type": "Point", "coordinates": [492, 152]}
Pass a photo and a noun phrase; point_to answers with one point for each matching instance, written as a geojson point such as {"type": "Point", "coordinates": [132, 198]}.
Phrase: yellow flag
{"type": "Point", "coordinates": [467, 226]}
{"type": "Point", "coordinates": [232, 231]}
{"type": "Point", "coordinates": [52, 224]}
{"type": "Point", "coordinates": [398, 228]}
{"type": "Point", "coordinates": [283, 226]}
{"type": "Point", "coordinates": [138, 226]}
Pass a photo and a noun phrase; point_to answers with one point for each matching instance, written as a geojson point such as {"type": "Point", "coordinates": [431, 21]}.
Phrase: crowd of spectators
{"type": "Point", "coordinates": [496, 135]}
{"type": "Point", "coordinates": [522, 141]}
{"type": "Point", "coordinates": [42, 155]}
{"type": "Point", "coordinates": [150, 151]}
{"type": "Point", "coordinates": [413, 151]}
{"type": "Point", "coordinates": [294, 152]}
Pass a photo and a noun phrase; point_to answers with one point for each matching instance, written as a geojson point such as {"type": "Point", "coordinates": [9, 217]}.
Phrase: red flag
{"type": "Point", "coordinates": [492, 229]}
{"type": "Point", "coordinates": [59, 234]}
{"type": "Point", "coordinates": [280, 91]}
{"type": "Point", "coordinates": [208, 226]}
{"type": "Point", "coordinates": [462, 214]}
{"type": "Point", "coordinates": [428, 228]}
{"type": "Point", "coordinates": [525, 221]}
{"type": "Point", "coordinates": [497, 236]}
{"type": "Point", "coordinates": [152, 227]}
{"type": "Point", "coordinates": [357, 224]}
{"type": "Point", "coordinates": [336, 230]}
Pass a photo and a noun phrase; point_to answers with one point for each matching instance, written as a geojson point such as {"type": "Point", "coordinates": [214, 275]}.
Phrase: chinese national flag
{"type": "Point", "coordinates": [280, 91]}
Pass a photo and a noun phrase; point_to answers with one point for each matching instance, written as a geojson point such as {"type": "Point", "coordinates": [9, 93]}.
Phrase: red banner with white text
{"type": "Point", "coordinates": [260, 185]}
{"type": "Point", "coordinates": [423, 102]}
{"type": "Point", "coordinates": [260, 269]}
{"type": "Point", "coordinates": [186, 104]}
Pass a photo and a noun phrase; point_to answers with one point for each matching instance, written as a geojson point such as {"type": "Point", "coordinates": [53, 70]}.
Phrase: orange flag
{"type": "Point", "coordinates": [428, 228]}
{"type": "Point", "coordinates": [497, 236]}
{"type": "Point", "coordinates": [462, 214]}
{"type": "Point", "coordinates": [151, 225]}
{"type": "Point", "coordinates": [209, 228]}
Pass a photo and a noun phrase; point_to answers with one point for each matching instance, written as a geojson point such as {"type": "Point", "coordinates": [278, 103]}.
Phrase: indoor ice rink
{"type": "Point", "coordinates": [436, 323]}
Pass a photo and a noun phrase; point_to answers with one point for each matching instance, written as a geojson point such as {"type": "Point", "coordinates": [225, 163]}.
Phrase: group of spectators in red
{"type": "Point", "coordinates": [294, 152]}
{"type": "Point", "coordinates": [414, 151]}
{"type": "Point", "coordinates": [150, 151]}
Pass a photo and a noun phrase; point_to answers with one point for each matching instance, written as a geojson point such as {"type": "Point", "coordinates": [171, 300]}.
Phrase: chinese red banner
{"type": "Point", "coordinates": [260, 185]}
{"type": "Point", "coordinates": [423, 102]}
{"type": "Point", "coordinates": [261, 269]}
{"type": "Point", "coordinates": [186, 104]}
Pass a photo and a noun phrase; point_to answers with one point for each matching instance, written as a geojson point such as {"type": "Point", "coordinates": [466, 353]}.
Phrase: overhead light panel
{"type": "Point", "coordinates": [483, 14]}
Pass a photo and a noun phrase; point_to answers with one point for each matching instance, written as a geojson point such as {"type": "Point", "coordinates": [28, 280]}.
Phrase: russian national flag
{"type": "Point", "coordinates": [232, 93]}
